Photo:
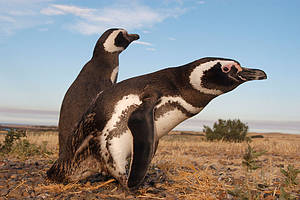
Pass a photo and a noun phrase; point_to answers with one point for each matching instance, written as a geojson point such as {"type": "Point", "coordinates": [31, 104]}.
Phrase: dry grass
{"type": "Point", "coordinates": [197, 169]}
{"type": "Point", "coordinates": [50, 137]}
{"type": "Point", "coordinates": [219, 163]}
{"type": "Point", "coordinates": [38, 138]}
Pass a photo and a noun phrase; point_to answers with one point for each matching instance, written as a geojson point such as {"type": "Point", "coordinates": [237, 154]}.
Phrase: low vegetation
{"type": "Point", "coordinates": [16, 143]}
{"type": "Point", "coordinates": [250, 158]}
{"type": "Point", "coordinates": [10, 138]}
{"type": "Point", "coordinates": [186, 166]}
{"type": "Point", "coordinates": [290, 175]}
{"type": "Point", "coordinates": [227, 130]}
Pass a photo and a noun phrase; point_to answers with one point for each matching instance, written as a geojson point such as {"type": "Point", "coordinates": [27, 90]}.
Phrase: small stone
{"type": "Point", "coordinates": [213, 167]}
{"type": "Point", "coordinates": [12, 164]}
{"type": "Point", "coordinates": [154, 191]}
{"type": "Point", "coordinates": [280, 165]}
{"type": "Point", "coordinates": [31, 192]}
{"type": "Point", "coordinates": [159, 185]}
{"type": "Point", "coordinates": [203, 167]}
{"type": "Point", "coordinates": [25, 194]}
{"type": "Point", "coordinates": [2, 163]}
{"type": "Point", "coordinates": [20, 171]}
{"type": "Point", "coordinates": [262, 186]}
{"type": "Point", "coordinates": [3, 176]}
{"type": "Point", "coordinates": [13, 176]}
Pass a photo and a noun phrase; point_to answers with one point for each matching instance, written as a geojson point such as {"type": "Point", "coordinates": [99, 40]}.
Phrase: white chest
{"type": "Point", "coordinates": [174, 110]}
{"type": "Point", "coordinates": [165, 123]}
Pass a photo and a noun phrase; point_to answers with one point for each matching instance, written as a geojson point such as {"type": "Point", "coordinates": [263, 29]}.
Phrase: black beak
{"type": "Point", "coordinates": [132, 37]}
{"type": "Point", "coordinates": [251, 74]}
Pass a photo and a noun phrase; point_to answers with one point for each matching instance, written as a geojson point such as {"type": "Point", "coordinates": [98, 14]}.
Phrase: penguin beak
{"type": "Point", "coordinates": [132, 37]}
{"type": "Point", "coordinates": [251, 74]}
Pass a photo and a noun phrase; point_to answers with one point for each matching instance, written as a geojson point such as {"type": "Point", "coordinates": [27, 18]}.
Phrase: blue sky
{"type": "Point", "coordinates": [45, 43]}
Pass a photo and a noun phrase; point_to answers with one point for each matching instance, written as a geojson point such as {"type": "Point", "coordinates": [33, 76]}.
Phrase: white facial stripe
{"type": "Point", "coordinates": [198, 72]}
{"type": "Point", "coordinates": [192, 109]}
{"type": "Point", "coordinates": [109, 44]}
{"type": "Point", "coordinates": [114, 74]}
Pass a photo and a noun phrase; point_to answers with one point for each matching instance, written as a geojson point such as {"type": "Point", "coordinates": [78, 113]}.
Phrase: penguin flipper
{"type": "Point", "coordinates": [141, 125]}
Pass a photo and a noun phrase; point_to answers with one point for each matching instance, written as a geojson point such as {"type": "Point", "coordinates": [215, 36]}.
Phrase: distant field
{"type": "Point", "coordinates": [188, 167]}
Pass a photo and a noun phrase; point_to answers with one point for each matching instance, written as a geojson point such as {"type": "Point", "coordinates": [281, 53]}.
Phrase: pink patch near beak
{"type": "Point", "coordinates": [227, 68]}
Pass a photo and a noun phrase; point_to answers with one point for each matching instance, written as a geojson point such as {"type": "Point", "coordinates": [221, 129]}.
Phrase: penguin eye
{"type": "Point", "coordinates": [226, 68]}
{"type": "Point", "coordinates": [121, 41]}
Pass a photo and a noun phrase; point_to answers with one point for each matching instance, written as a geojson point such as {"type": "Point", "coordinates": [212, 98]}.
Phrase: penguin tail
{"type": "Point", "coordinates": [57, 172]}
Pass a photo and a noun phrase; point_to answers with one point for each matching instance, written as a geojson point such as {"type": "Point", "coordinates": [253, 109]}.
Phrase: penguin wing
{"type": "Point", "coordinates": [141, 125]}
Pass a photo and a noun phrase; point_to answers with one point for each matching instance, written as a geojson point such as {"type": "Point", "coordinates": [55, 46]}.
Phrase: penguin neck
{"type": "Point", "coordinates": [190, 94]}
{"type": "Point", "coordinates": [106, 61]}
{"type": "Point", "coordinates": [196, 98]}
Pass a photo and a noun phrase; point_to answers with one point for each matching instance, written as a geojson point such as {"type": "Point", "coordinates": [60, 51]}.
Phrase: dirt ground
{"type": "Point", "coordinates": [184, 167]}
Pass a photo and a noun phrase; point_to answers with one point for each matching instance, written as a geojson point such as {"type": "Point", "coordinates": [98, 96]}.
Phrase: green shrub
{"type": "Point", "coordinates": [13, 144]}
{"type": "Point", "coordinates": [290, 175]}
{"type": "Point", "coordinates": [250, 158]}
{"type": "Point", "coordinates": [11, 137]}
{"type": "Point", "coordinates": [227, 130]}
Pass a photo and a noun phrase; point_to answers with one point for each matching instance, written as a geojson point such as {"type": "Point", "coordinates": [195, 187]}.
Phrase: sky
{"type": "Point", "coordinates": [45, 43]}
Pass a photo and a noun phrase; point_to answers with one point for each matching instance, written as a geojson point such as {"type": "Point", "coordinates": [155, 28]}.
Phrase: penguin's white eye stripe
{"type": "Point", "coordinates": [109, 44]}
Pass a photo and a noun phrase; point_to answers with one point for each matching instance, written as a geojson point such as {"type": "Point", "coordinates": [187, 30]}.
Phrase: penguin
{"type": "Point", "coordinates": [121, 129]}
{"type": "Point", "coordinates": [97, 75]}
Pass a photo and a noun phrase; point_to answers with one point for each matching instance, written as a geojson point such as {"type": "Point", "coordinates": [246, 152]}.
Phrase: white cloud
{"type": "Point", "coordinates": [52, 11]}
{"type": "Point", "coordinates": [129, 16]}
{"type": "Point", "coordinates": [43, 29]}
{"type": "Point", "coordinates": [57, 9]}
{"type": "Point", "coordinates": [142, 43]}
{"type": "Point", "coordinates": [201, 2]}
{"type": "Point", "coordinates": [7, 19]}
{"type": "Point", "coordinates": [20, 14]}
{"type": "Point", "coordinates": [171, 38]}
{"type": "Point", "coordinates": [151, 49]}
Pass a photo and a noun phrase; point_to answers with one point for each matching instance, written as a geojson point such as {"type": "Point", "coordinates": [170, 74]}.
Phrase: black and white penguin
{"type": "Point", "coordinates": [122, 127]}
{"type": "Point", "coordinates": [97, 75]}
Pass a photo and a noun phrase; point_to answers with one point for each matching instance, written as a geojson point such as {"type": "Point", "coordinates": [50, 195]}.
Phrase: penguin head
{"type": "Point", "coordinates": [114, 41]}
{"type": "Point", "coordinates": [216, 76]}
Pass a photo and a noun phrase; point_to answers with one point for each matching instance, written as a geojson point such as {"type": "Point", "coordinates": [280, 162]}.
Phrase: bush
{"type": "Point", "coordinates": [24, 148]}
{"type": "Point", "coordinates": [14, 144]}
{"type": "Point", "coordinates": [11, 136]}
{"type": "Point", "coordinates": [227, 130]}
